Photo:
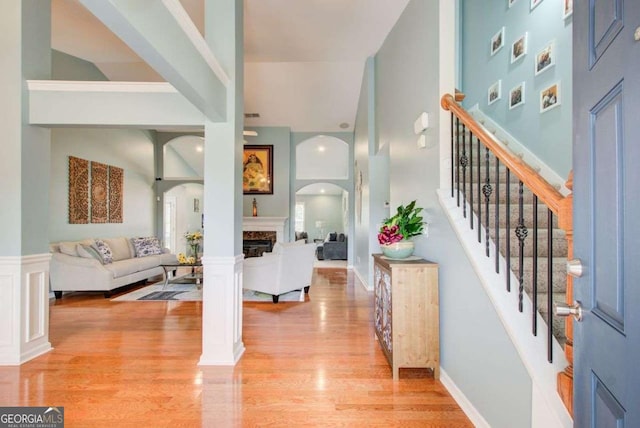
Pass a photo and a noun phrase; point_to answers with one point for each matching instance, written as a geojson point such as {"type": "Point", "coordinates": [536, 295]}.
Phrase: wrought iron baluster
{"type": "Point", "coordinates": [497, 217]}
{"type": "Point", "coordinates": [487, 189]}
{"type": "Point", "coordinates": [521, 233]}
{"type": "Point", "coordinates": [550, 286]}
{"type": "Point", "coordinates": [453, 136]}
{"type": "Point", "coordinates": [471, 178]}
{"type": "Point", "coordinates": [534, 292]}
{"type": "Point", "coordinates": [479, 190]}
{"type": "Point", "coordinates": [464, 161]}
{"type": "Point", "coordinates": [458, 163]}
{"type": "Point", "coordinates": [508, 227]}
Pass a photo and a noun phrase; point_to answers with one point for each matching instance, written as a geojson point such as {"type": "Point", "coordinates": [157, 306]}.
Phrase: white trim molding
{"type": "Point", "coordinates": [467, 406]}
{"type": "Point", "coordinates": [265, 224]}
{"type": "Point", "coordinates": [24, 308]}
{"type": "Point", "coordinates": [222, 311]}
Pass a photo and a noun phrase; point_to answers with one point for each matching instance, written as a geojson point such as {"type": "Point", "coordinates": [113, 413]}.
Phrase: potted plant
{"type": "Point", "coordinates": [395, 233]}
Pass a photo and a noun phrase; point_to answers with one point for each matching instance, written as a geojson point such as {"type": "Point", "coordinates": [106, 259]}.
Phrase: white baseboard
{"type": "Point", "coordinates": [467, 407]}
{"type": "Point", "coordinates": [363, 281]}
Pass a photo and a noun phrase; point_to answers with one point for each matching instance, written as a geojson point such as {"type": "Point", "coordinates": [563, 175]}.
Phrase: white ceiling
{"type": "Point", "coordinates": [304, 59]}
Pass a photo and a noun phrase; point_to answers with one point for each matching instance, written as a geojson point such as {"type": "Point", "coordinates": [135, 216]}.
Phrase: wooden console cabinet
{"type": "Point", "coordinates": [406, 313]}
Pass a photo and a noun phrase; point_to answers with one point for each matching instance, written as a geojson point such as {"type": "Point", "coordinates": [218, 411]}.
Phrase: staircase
{"type": "Point", "coordinates": [523, 223]}
{"type": "Point", "coordinates": [507, 224]}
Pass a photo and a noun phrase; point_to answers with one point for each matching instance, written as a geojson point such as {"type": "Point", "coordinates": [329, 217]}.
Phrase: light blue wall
{"type": "Point", "coordinates": [362, 252]}
{"type": "Point", "coordinates": [327, 208]}
{"type": "Point", "coordinates": [348, 184]}
{"type": "Point", "coordinates": [129, 149]}
{"type": "Point", "coordinates": [68, 67]}
{"type": "Point", "coordinates": [276, 205]}
{"type": "Point", "coordinates": [476, 351]}
{"type": "Point", "coordinates": [547, 135]}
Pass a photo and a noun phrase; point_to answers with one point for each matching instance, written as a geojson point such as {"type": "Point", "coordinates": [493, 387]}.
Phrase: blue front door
{"type": "Point", "coordinates": [606, 155]}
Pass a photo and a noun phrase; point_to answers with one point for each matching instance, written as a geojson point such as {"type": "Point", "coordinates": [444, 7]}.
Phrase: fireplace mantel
{"type": "Point", "coordinates": [266, 224]}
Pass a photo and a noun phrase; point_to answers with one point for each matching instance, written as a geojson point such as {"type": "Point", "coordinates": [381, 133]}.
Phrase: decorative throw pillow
{"type": "Point", "coordinates": [146, 246]}
{"type": "Point", "coordinates": [342, 237]}
{"type": "Point", "coordinates": [104, 251]}
{"type": "Point", "coordinates": [333, 236]}
{"type": "Point", "coordinates": [88, 252]}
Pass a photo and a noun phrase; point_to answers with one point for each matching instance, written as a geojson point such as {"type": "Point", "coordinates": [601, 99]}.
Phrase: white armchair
{"type": "Point", "coordinates": [289, 267]}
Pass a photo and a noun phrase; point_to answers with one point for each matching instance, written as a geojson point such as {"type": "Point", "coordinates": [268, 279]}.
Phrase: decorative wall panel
{"type": "Point", "coordinates": [99, 192]}
{"type": "Point", "coordinates": [78, 191]}
{"type": "Point", "coordinates": [116, 181]}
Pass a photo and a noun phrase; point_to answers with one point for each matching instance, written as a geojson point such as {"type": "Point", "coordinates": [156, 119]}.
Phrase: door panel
{"type": "Point", "coordinates": [607, 212]}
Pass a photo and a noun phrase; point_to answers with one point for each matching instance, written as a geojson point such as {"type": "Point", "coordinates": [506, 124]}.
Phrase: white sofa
{"type": "Point", "coordinates": [289, 267]}
{"type": "Point", "coordinates": [76, 267]}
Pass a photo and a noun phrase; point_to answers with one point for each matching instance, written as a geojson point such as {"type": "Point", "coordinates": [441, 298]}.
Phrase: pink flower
{"type": "Point", "coordinates": [389, 235]}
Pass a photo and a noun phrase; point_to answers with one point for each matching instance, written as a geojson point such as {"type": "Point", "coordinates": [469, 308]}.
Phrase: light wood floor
{"type": "Point", "coordinates": [125, 364]}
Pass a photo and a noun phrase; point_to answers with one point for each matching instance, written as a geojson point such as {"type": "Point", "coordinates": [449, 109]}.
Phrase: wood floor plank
{"type": "Point", "coordinates": [312, 363]}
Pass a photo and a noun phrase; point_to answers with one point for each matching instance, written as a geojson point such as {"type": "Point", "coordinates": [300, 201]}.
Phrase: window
{"type": "Point", "coordinates": [299, 216]}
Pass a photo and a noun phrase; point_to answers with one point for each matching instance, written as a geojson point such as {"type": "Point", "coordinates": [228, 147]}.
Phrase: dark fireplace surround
{"type": "Point", "coordinates": [255, 243]}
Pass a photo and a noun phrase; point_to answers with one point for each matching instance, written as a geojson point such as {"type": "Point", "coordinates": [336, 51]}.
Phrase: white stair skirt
{"type": "Point", "coordinates": [221, 311]}
{"type": "Point", "coordinates": [24, 308]}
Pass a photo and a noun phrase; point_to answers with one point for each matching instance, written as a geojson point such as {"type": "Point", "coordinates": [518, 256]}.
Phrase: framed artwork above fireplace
{"type": "Point", "coordinates": [257, 172]}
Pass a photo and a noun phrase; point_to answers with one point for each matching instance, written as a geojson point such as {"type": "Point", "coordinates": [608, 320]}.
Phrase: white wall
{"type": "Point", "coordinates": [129, 149]}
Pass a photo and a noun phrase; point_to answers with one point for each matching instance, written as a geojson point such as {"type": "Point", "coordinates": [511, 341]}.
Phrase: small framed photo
{"type": "Point", "coordinates": [567, 8]}
{"type": "Point", "coordinates": [535, 3]}
{"type": "Point", "coordinates": [497, 41]}
{"type": "Point", "coordinates": [546, 58]}
{"type": "Point", "coordinates": [516, 96]}
{"type": "Point", "coordinates": [550, 97]}
{"type": "Point", "coordinates": [494, 93]}
{"type": "Point", "coordinates": [511, 2]}
{"type": "Point", "coordinates": [196, 205]}
{"type": "Point", "coordinates": [519, 48]}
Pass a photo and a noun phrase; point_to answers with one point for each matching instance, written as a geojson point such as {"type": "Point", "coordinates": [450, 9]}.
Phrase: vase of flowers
{"type": "Point", "coordinates": [193, 241]}
{"type": "Point", "coordinates": [396, 232]}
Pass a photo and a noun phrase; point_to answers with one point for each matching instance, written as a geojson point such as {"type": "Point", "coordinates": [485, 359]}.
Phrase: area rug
{"type": "Point", "coordinates": [189, 292]}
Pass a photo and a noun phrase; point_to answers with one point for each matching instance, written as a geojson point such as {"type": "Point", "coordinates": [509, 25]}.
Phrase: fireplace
{"type": "Point", "coordinates": [255, 243]}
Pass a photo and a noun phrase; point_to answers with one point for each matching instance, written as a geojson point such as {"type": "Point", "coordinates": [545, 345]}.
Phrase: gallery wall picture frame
{"type": "Point", "coordinates": [516, 96]}
{"type": "Point", "coordinates": [257, 171]}
{"type": "Point", "coordinates": [550, 97]}
{"type": "Point", "coordinates": [567, 8]}
{"type": "Point", "coordinates": [494, 93]}
{"type": "Point", "coordinates": [519, 48]}
{"type": "Point", "coordinates": [535, 3]}
{"type": "Point", "coordinates": [196, 205]}
{"type": "Point", "coordinates": [546, 58]}
{"type": "Point", "coordinates": [497, 41]}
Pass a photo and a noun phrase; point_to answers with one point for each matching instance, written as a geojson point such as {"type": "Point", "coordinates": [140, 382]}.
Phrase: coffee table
{"type": "Point", "coordinates": [193, 277]}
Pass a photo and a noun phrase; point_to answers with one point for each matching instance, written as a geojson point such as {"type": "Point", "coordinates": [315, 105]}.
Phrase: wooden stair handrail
{"type": "Point", "coordinates": [548, 194]}
{"type": "Point", "coordinates": [562, 206]}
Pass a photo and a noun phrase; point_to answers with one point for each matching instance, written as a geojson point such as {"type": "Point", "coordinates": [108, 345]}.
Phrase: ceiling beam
{"type": "Point", "coordinates": [145, 105]}
{"type": "Point", "coordinates": [164, 36]}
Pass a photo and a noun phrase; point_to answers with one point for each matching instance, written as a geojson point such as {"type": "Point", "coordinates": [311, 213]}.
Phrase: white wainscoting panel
{"type": "Point", "coordinates": [24, 308]}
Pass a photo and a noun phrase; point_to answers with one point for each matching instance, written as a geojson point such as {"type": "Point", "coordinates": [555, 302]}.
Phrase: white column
{"type": "Point", "coordinates": [223, 325]}
{"type": "Point", "coordinates": [24, 308]}
{"type": "Point", "coordinates": [222, 261]}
